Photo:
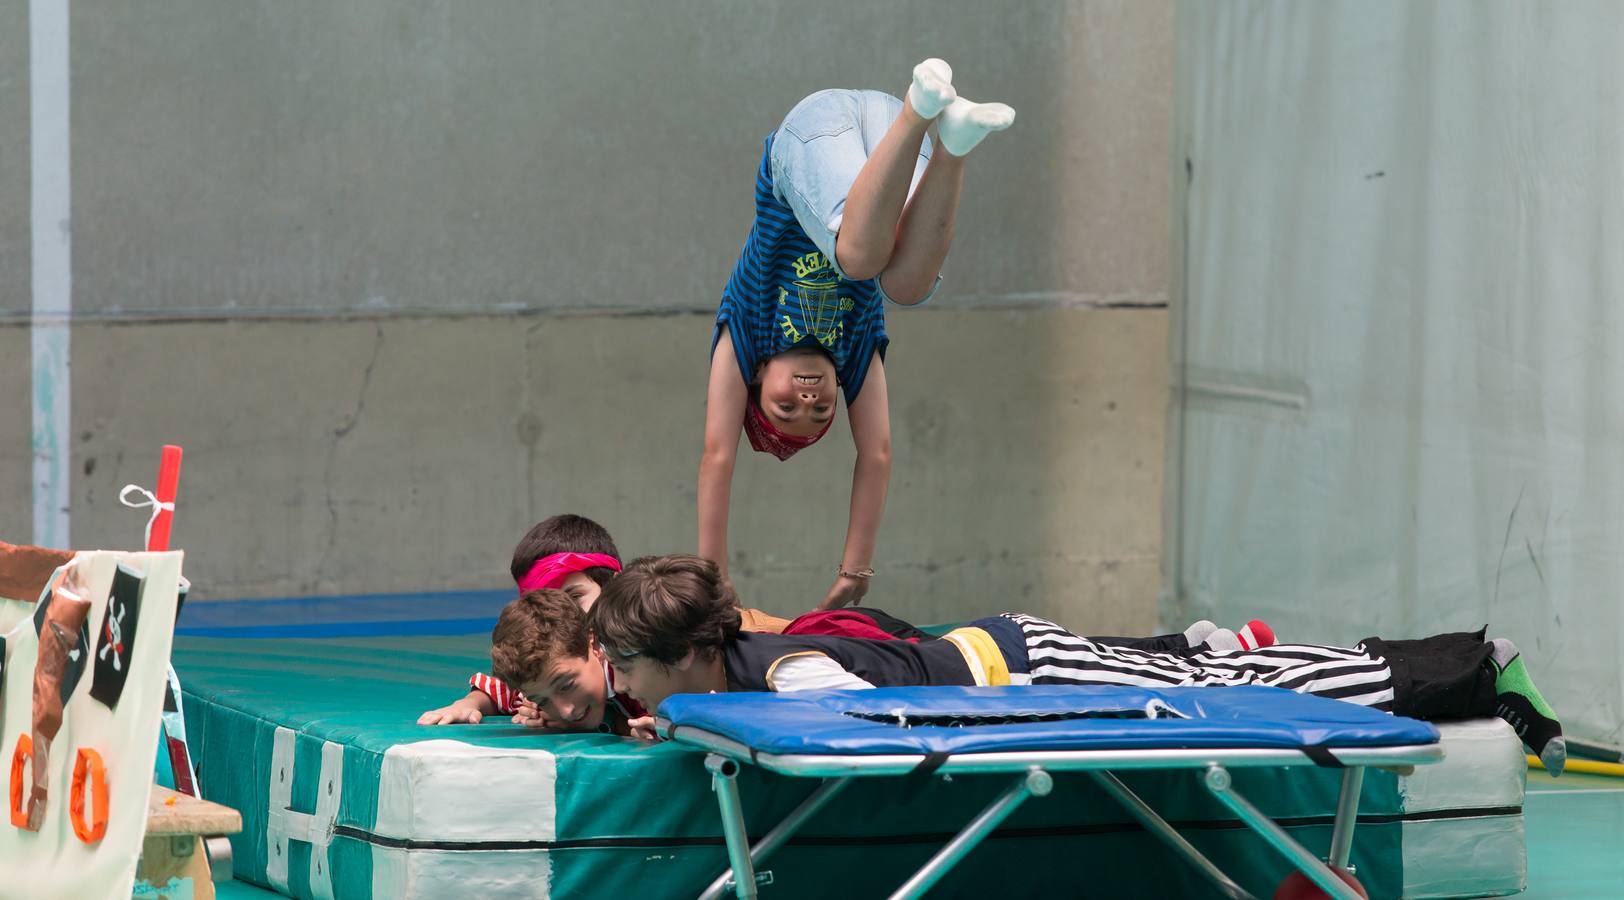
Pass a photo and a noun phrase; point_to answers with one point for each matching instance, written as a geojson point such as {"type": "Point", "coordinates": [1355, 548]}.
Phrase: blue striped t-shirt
{"type": "Point", "coordinates": [784, 293]}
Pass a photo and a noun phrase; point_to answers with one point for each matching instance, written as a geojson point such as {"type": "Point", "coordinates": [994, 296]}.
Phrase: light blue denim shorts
{"type": "Point", "coordinates": [818, 151]}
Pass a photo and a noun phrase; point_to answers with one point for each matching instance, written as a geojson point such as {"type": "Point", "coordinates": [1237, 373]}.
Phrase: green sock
{"type": "Point", "coordinates": [1522, 705]}
{"type": "Point", "coordinates": [1514, 678]}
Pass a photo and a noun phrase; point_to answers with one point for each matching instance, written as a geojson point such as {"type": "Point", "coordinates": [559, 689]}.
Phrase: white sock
{"type": "Point", "coordinates": [964, 124]}
{"type": "Point", "coordinates": [1196, 634]}
{"type": "Point", "coordinates": [1504, 652]}
{"type": "Point", "coordinates": [932, 88]}
{"type": "Point", "coordinates": [1224, 640]}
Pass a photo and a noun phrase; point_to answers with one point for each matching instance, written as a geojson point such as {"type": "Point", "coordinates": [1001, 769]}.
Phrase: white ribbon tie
{"type": "Point", "coordinates": [151, 500]}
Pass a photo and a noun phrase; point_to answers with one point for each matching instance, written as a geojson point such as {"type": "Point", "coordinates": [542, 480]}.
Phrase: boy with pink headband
{"type": "Point", "coordinates": [853, 207]}
{"type": "Point", "coordinates": [566, 553]}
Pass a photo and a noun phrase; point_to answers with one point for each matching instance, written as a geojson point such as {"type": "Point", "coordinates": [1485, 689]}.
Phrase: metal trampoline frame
{"type": "Point", "coordinates": [1033, 777]}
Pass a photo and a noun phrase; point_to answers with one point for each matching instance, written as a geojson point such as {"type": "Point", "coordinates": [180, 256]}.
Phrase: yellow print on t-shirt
{"type": "Point", "coordinates": [817, 298]}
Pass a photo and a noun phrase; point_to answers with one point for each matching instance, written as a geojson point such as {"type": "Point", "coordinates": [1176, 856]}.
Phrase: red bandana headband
{"type": "Point", "coordinates": [550, 571]}
{"type": "Point", "coordinates": [767, 439]}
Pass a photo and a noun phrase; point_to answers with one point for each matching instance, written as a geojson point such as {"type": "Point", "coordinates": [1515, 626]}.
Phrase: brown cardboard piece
{"type": "Point", "coordinates": [24, 570]}
{"type": "Point", "coordinates": [57, 639]}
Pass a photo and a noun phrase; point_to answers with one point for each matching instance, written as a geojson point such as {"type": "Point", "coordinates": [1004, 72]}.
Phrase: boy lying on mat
{"type": "Point", "coordinates": [574, 556]}
{"type": "Point", "coordinates": [542, 646]}
{"type": "Point", "coordinates": [669, 625]}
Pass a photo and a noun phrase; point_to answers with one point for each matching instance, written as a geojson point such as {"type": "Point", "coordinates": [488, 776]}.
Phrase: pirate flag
{"type": "Point", "coordinates": [117, 638]}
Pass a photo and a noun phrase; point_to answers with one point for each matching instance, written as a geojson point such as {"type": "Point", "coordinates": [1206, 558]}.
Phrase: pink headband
{"type": "Point", "coordinates": [550, 571]}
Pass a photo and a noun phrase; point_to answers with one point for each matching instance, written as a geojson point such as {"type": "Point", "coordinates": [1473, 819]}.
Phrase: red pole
{"type": "Point", "coordinates": [168, 481]}
{"type": "Point", "coordinates": [174, 726]}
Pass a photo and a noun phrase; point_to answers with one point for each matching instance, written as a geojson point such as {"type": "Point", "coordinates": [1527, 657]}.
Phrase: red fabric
{"type": "Point", "coordinates": [765, 438]}
{"type": "Point", "coordinates": [506, 698]}
{"type": "Point", "coordinates": [841, 623]}
{"type": "Point", "coordinates": [1255, 634]}
{"type": "Point", "coordinates": [550, 571]}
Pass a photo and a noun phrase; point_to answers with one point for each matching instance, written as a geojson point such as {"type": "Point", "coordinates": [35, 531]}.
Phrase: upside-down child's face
{"type": "Point", "coordinates": [798, 392]}
{"type": "Point", "coordinates": [572, 693]}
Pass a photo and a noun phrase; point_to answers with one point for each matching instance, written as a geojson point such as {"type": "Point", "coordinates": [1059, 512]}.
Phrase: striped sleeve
{"type": "Point", "coordinates": [505, 698]}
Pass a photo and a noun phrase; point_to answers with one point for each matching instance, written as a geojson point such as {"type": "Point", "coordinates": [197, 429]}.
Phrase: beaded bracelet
{"type": "Point", "coordinates": [864, 572]}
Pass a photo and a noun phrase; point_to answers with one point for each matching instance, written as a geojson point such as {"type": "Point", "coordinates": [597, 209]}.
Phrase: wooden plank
{"type": "Point", "coordinates": [169, 812]}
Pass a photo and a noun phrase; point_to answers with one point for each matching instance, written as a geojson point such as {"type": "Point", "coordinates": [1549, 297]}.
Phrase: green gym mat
{"type": "Point", "coordinates": [343, 795]}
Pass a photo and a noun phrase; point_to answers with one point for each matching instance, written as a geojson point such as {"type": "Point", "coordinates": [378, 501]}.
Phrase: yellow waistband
{"type": "Point", "coordinates": [981, 654]}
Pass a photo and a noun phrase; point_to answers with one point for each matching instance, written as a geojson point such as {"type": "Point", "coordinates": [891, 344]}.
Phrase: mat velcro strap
{"type": "Point", "coordinates": [930, 763]}
{"type": "Point", "coordinates": [1323, 757]}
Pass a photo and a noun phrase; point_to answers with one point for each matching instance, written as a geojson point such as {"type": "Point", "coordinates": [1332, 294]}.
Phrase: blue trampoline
{"type": "Point", "coordinates": [1030, 732]}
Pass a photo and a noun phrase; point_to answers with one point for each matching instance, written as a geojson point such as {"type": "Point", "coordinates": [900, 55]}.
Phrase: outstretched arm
{"type": "Point", "coordinates": [469, 710]}
{"type": "Point", "coordinates": [871, 478]}
{"type": "Point", "coordinates": [724, 419]}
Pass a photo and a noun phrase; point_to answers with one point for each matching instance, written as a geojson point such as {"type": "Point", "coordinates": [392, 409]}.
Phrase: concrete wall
{"type": "Point", "coordinates": [14, 170]}
{"type": "Point", "coordinates": [403, 280]}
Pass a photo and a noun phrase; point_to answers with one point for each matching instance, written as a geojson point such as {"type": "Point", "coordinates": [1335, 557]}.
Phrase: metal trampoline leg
{"type": "Point", "coordinates": [1033, 783]}
{"type": "Point", "coordinates": [1159, 826]}
{"type": "Point", "coordinates": [1347, 815]}
{"type": "Point", "coordinates": [781, 832]}
{"type": "Point", "coordinates": [1217, 781]}
{"type": "Point", "coordinates": [723, 771]}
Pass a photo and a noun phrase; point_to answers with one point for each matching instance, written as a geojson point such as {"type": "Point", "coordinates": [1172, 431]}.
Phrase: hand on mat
{"type": "Point", "coordinates": [529, 715]}
{"type": "Point", "coordinates": [458, 713]}
{"type": "Point", "coordinates": [847, 591]}
{"type": "Point", "coordinates": [643, 728]}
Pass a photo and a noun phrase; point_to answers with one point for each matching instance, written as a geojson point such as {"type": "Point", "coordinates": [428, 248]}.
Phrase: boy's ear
{"type": "Point", "coordinates": [686, 663]}
{"type": "Point", "coordinates": [594, 652]}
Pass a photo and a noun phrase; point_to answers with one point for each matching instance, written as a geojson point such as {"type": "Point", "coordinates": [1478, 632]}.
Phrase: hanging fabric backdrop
{"type": "Point", "coordinates": [1401, 342]}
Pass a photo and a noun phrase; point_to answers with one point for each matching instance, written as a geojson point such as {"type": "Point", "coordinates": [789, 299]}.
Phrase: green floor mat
{"type": "Point", "coordinates": [315, 741]}
{"type": "Point", "coordinates": [1575, 837]}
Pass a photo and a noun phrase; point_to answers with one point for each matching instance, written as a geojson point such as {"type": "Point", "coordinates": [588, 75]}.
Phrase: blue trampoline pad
{"type": "Point", "coordinates": [917, 720]}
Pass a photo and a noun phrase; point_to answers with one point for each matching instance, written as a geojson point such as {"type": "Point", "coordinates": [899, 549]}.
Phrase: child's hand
{"type": "Point", "coordinates": [643, 728]}
{"type": "Point", "coordinates": [461, 712]}
{"type": "Point", "coordinates": [847, 591]}
{"type": "Point", "coordinates": [528, 714]}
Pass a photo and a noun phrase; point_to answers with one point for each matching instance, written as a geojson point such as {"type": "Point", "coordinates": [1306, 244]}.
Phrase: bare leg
{"type": "Point", "coordinates": [926, 230]}
{"type": "Point", "coordinates": [868, 227]}
{"type": "Point", "coordinates": [881, 229]}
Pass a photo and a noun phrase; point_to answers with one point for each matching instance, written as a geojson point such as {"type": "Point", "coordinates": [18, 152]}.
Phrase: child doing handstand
{"type": "Point", "coordinates": [853, 207]}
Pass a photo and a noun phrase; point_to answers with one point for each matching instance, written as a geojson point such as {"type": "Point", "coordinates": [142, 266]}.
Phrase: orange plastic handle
{"type": "Point", "coordinates": [19, 804]}
{"type": "Point", "coordinates": [88, 764]}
